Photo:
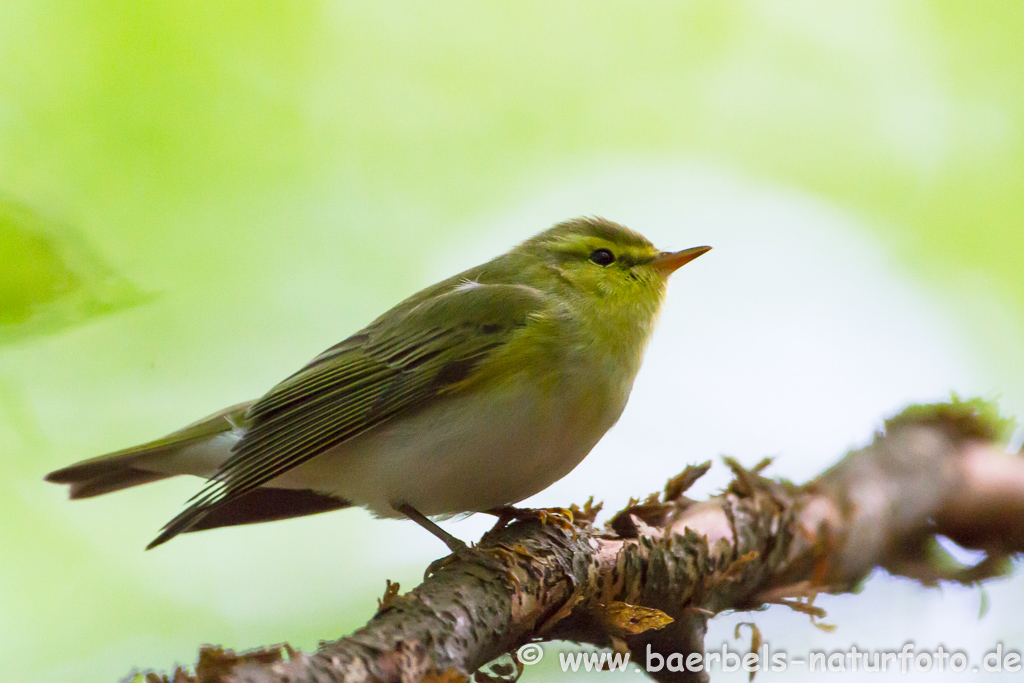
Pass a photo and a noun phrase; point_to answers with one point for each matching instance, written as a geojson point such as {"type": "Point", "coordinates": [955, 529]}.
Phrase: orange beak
{"type": "Point", "coordinates": [668, 261]}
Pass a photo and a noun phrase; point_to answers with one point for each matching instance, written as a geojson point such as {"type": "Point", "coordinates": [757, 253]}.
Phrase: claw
{"type": "Point", "coordinates": [458, 553]}
{"type": "Point", "coordinates": [560, 517]}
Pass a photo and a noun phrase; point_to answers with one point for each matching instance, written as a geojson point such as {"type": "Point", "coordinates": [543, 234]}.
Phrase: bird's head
{"type": "Point", "coordinates": [606, 263]}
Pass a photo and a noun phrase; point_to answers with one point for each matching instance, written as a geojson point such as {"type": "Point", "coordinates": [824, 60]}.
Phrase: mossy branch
{"type": "Point", "coordinates": [661, 568]}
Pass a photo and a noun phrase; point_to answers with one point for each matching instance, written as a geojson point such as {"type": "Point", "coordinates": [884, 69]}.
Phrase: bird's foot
{"type": "Point", "coordinates": [560, 517]}
{"type": "Point", "coordinates": [460, 552]}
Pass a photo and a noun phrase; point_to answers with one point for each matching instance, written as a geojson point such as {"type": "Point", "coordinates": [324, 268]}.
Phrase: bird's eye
{"type": "Point", "coordinates": [602, 257]}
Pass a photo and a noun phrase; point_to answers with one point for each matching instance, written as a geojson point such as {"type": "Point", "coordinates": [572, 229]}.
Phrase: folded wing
{"type": "Point", "coordinates": [393, 367]}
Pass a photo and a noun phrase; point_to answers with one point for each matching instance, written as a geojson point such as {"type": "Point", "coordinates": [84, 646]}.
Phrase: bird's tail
{"type": "Point", "coordinates": [151, 461]}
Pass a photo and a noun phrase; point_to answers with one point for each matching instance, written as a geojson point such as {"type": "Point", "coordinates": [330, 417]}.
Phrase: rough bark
{"type": "Point", "coordinates": [659, 569]}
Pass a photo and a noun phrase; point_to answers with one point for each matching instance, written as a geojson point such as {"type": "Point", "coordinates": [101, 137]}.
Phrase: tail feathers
{"type": "Point", "coordinates": [113, 481]}
{"type": "Point", "coordinates": [139, 465]}
{"type": "Point", "coordinates": [126, 468]}
{"type": "Point", "coordinates": [107, 467]}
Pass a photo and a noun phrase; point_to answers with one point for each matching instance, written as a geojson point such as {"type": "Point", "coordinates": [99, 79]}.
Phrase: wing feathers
{"type": "Point", "coordinates": [395, 366]}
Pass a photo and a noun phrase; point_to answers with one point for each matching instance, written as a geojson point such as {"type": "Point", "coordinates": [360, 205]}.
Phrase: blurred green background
{"type": "Point", "coordinates": [196, 198]}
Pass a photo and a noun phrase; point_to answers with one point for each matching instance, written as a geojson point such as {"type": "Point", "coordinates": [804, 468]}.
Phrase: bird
{"type": "Point", "coordinates": [469, 396]}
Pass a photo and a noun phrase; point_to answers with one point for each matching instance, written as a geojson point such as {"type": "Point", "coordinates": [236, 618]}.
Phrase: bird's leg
{"type": "Point", "coordinates": [505, 514]}
{"type": "Point", "coordinates": [454, 544]}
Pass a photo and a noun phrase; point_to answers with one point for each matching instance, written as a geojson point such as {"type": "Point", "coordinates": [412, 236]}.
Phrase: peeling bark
{"type": "Point", "coordinates": [660, 569]}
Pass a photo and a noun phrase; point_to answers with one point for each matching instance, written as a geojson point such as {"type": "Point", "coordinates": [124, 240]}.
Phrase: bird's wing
{"type": "Point", "coordinates": [391, 368]}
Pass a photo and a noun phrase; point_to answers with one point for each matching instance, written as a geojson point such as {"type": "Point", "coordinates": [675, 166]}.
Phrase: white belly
{"type": "Point", "coordinates": [461, 455]}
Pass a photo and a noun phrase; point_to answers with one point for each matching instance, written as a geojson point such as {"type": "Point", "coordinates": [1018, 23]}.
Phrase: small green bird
{"type": "Point", "coordinates": [469, 396]}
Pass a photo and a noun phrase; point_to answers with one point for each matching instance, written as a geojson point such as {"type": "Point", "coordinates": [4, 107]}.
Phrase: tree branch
{"type": "Point", "coordinates": [659, 569]}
